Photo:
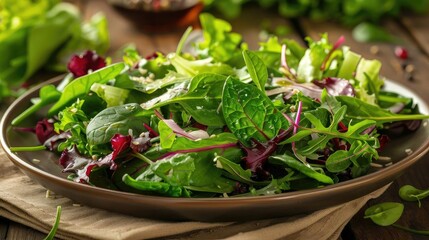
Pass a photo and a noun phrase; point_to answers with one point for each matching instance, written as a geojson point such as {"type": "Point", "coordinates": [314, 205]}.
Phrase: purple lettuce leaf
{"type": "Point", "coordinates": [336, 86]}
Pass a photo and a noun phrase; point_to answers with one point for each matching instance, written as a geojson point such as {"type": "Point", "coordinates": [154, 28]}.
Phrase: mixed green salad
{"type": "Point", "coordinates": [36, 34]}
{"type": "Point", "coordinates": [219, 119]}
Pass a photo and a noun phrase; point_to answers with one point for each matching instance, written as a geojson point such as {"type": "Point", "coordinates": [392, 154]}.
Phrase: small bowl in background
{"type": "Point", "coordinates": [160, 15]}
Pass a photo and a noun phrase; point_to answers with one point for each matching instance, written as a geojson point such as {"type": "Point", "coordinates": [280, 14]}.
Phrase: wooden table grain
{"type": "Point", "coordinates": [413, 31]}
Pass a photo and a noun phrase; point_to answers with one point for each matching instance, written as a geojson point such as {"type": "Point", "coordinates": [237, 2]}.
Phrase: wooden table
{"type": "Point", "coordinates": [414, 32]}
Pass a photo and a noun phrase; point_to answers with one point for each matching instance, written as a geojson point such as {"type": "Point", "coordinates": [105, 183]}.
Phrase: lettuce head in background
{"type": "Point", "coordinates": [37, 34]}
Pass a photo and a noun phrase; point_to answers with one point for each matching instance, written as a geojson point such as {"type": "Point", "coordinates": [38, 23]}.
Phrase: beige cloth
{"type": "Point", "coordinates": [24, 201]}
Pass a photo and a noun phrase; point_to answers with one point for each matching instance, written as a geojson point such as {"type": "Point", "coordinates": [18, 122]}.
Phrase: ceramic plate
{"type": "Point", "coordinates": [404, 152]}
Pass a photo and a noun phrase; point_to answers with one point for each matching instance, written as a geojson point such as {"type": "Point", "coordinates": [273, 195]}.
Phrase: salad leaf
{"type": "Point", "coordinates": [201, 101]}
{"type": "Point", "coordinates": [299, 166]}
{"type": "Point", "coordinates": [116, 120]}
{"type": "Point", "coordinates": [309, 67]}
{"type": "Point", "coordinates": [219, 42]}
{"type": "Point", "coordinates": [191, 171]}
{"type": "Point", "coordinates": [385, 214]}
{"type": "Point", "coordinates": [82, 85]}
{"type": "Point", "coordinates": [256, 68]}
{"type": "Point", "coordinates": [358, 109]}
{"type": "Point", "coordinates": [248, 113]}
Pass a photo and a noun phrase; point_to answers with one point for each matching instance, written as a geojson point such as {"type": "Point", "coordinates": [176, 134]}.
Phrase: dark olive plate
{"type": "Point", "coordinates": [404, 151]}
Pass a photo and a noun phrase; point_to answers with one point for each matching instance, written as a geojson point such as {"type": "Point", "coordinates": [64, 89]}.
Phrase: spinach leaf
{"type": "Point", "coordinates": [385, 214]}
{"type": "Point", "coordinates": [114, 120]}
{"type": "Point", "coordinates": [411, 193]}
{"type": "Point", "coordinates": [256, 68]}
{"type": "Point", "coordinates": [82, 85]}
{"type": "Point", "coordinates": [155, 187]}
{"type": "Point", "coordinates": [249, 113]}
{"type": "Point", "coordinates": [300, 167]}
{"type": "Point", "coordinates": [340, 160]}
{"type": "Point", "coordinates": [192, 171]}
{"type": "Point", "coordinates": [201, 101]}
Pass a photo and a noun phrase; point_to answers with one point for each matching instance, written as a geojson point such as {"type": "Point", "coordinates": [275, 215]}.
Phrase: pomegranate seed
{"type": "Point", "coordinates": [401, 53]}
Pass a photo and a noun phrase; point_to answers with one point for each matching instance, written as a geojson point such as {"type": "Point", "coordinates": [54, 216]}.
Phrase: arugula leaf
{"type": "Point", "coordinates": [358, 109]}
{"type": "Point", "coordinates": [82, 85]}
{"type": "Point", "coordinates": [248, 113]}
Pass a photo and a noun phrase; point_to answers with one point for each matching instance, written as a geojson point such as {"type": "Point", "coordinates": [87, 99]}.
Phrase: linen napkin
{"type": "Point", "coordinates": [26, 202]}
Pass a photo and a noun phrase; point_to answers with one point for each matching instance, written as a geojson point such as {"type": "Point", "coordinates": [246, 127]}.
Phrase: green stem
{"type": "Point", "coordinates": [29, 111]}
{"type": "Point", "coordinates": [142, 157]}
{"type": "Point", "coordinates": [51, 234]}
{"type": "Point", "coordinates": [421, 232]}
{"type": "Point", "coordinates": [155, 140]}
{"type": "Point", "coordinates": [183, 40]}
{"type": "Point", "coordinates": [390, 99]}
{"type": "Point", "coordinates": [28, 149]}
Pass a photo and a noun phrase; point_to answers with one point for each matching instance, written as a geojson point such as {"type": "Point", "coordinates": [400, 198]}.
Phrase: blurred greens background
{"type": "Point", "coordinates": [37, 34]}
{"type": "Point", "coordinates": [348, 12]}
